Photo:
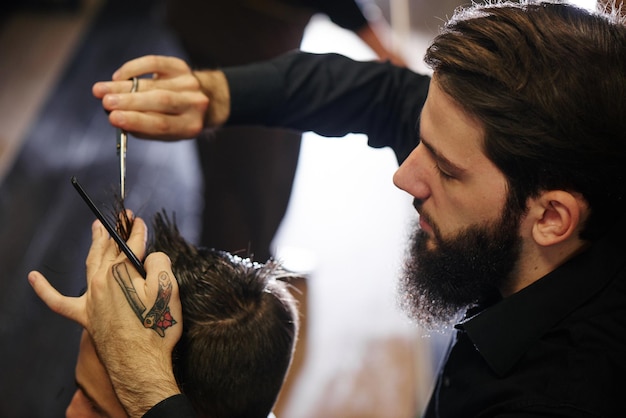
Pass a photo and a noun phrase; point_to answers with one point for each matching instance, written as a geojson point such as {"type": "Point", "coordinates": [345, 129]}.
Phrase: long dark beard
{"type": "Point", "coordinates": [438, 284]}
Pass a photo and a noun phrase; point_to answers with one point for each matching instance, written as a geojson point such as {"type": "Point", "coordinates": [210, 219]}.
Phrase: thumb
{"type": "Point", "coordinates": [69, 307]}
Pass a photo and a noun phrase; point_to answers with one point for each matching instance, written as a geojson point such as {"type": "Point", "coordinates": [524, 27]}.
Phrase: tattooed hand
{"type": "Point", "coordinates": [134, 323]}
{"type": "Point", "coordinates": [159, 318]}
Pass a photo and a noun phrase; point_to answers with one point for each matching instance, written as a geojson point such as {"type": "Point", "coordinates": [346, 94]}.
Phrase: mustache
{"type": "Point", "coordinates": [417, 204]}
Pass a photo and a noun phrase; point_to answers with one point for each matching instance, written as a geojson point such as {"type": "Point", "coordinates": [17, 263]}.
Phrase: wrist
{"type": "Point", "coordinates": [139, 398]}
{"type": "Point", "coordinates": [143, 385]}
{"type": "Point", "coordinates": [177, 404]}
{"type": "Point", "coordinates": [214, 85]}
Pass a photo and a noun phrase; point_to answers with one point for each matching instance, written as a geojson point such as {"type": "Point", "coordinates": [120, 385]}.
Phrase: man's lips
{"type": "Point", "coordinates": [423, 219]}
{"type": "Point", "coordinates": [424, 226]}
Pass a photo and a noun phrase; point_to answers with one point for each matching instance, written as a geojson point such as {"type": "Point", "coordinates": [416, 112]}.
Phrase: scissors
{"type": "Point", "coordinates": [121, 145]}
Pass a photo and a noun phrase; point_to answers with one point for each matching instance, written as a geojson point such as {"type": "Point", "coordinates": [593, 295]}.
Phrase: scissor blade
{"type": "Point", "coordinates": [122, 141]}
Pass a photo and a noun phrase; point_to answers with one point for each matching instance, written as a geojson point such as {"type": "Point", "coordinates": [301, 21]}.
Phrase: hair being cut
{"type": "Point", "coordinates": [240, 325]}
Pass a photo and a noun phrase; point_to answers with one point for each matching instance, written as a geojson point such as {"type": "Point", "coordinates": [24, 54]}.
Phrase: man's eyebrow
{"type": "Point", "coordinates": [442, 161]}
{"type": "Point", "coordinates": [90, 398]}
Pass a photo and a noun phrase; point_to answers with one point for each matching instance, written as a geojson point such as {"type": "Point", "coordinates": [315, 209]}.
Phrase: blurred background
{"type": "Point", "coordinates": [345, 226]}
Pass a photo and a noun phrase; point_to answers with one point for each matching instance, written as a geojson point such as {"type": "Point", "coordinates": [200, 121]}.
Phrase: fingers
{"type": "Point", "coordinates": [71, 308]}
{"type": "Point", "coordinates": [170, 106]}
{"type": "Point", "coordinates": [138, 238]}
{"type": "Point", "coordinates": [167, 116]}
{"type": "Point", "coordinates": [159, 269]}
{"type": "Point", "coordinates": [102, 249]}
{"type": "Point", "coordinates": [102, 88]}
{"type": "Point", "coordinates": [165, 316]}
{"type": "Point", "coordinates": [181, 82]}
{"type": "Point", "coordinates": [155, 264]}
{"type": "Point", "coordinates": [158, 66]}
{"type": "Point", "coordinates": [163, 101]}
{"type": "Point", "coordinates": [168, 73]}
{"type": "Point", "coordinates": [158, 114]}
{"type": "Point", "coordinates": [158, 126]}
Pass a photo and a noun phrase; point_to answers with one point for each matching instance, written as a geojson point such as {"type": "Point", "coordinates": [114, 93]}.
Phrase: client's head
{"type": "Point", "coordinates": [239, 329]}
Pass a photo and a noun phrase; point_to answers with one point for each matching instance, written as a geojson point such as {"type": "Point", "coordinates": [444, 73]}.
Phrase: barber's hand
{"type": "Point", "coordinates": [171, 105]}
{"type": "Point", "coordinates": [134, 323]}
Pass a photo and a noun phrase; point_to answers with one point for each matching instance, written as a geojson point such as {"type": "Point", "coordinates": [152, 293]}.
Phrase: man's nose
{"type": "Point", "coordinates": [71, 410]}
{"type": "Point", "coordinates": [79, 406]}
{"type": "Point", "coordinates": [412, 176]}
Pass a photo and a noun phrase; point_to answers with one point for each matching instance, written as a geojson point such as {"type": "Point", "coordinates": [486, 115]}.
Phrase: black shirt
{"type": "Point", "coordinates": [556, 348]}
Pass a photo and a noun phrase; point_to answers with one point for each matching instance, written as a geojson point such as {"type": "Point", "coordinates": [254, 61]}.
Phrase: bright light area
{"type": "Point", "coordinates": [587, 4]}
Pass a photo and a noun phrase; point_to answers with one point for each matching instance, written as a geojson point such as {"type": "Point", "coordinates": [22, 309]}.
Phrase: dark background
{"type": "Point", "coordinates": [44, 225]}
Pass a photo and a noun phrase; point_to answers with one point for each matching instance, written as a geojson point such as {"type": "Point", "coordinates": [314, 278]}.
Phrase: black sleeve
{"type": "Point", "coordinates": [345, 13]}
{"type": "Point", "coordinates": [177, 406]}
{"type": "Point", "coordinates": [331, 95]}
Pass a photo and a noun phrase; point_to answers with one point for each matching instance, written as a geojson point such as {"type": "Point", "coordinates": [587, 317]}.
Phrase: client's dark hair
{"type": "Point", "coordinates": [239, 326]}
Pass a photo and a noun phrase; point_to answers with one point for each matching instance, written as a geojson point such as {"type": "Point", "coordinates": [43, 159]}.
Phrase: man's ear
{"type": "Point", "coordinates": [557, 215]}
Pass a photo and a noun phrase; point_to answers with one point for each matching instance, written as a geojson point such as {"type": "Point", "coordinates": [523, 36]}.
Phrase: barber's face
{"type": "Point", "coordinates": [453, 182]}
{"type": "Point", "coordinates": [94, 396]}
{"type": "Point", "coordinates": [467, 242]}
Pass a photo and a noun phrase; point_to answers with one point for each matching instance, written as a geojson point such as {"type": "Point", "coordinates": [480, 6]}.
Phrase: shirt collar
{"type": "Point", "coordinates": [503, 332]}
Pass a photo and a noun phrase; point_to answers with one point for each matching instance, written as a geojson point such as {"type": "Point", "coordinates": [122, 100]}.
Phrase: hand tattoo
{"type": "Point", "coordinates": [159, 317]}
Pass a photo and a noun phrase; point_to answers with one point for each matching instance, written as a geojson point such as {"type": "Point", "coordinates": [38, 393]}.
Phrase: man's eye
{"type": "Point", "coordinates": [442, 173]}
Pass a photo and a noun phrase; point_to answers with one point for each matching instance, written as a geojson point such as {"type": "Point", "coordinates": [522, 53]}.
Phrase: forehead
{"type": "Point", "coordinates": [451, 130]}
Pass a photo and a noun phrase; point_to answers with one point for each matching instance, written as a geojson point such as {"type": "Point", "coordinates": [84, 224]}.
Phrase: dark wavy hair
{"type": "Point", "coordinates": [240, 324]}
{"type": "Point", "coordinates": [548, 82]}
